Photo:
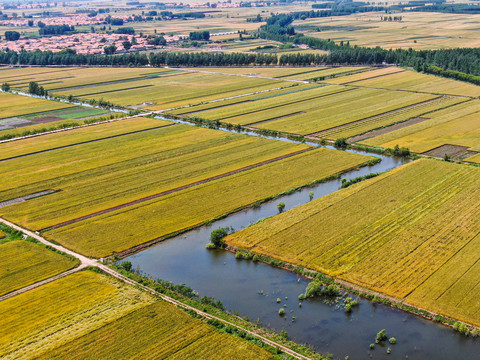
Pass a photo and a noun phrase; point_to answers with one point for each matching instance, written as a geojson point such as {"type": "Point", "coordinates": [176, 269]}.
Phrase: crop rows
{"type": "Point", "coordinates": [157, 331]}
{"type": "Point", "coordinates": [16, 105]}
{"type": "Point", "coordinates": [202, 110]}
{"type": "Point", "coordinates": [52, 315]}
{"type": "Point", "coordinates": [136, 224]}
{"type": "Point", "coordinates": [49, 141]}
{"type": "Point", "coordinates": [413, 81]}
{"type": "Point", "coordinates": [340, 109]}
{"type": "Point", "coordinates": [390, 118]}
{"type": "Point", "coordinates": [25, 263]}
{"type": "Point", "coordinates": [103, 174]}
{"type": "Point", "coordinates": [456, 125]}
{"type": "Point", "coordinates": [426, 224]}
{"type": "Point", "coordinates": [169, 92]}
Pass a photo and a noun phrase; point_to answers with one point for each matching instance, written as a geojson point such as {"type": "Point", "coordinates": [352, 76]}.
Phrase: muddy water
{"type": "Point", "coordinates": [252, 289]}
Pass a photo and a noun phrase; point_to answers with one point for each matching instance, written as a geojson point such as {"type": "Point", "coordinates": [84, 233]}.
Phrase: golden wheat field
{"type": "Point", "coordinates": [25, 263]}
{"type": "Point", "coordinates": [52, 315]}
{"type": "Point", "coordinates": [124, 228]}
{"type": "Point", "coordinates": [157, 331]}
{"type": "Point", "coordinates": [427, 223]}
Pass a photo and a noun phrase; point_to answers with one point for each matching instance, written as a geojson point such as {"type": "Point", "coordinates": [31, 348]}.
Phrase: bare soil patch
{"type": "Point", "coordinates": [455, 152]}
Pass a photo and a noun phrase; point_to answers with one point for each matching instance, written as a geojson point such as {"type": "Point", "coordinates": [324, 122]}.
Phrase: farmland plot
{"type": "Point", "coordinates": [52, 315]}
{"type": "Point", "coordinates": [457, 125]}
{"type": "Point", "coordinates": [431, 218]}
{"type": "Point", "coordinates": [103, 174]}
{"type": "Point", "coordinates": [16, 105]}
{"type": "Point", "coordinates": [25, 263]}
{"type": "Point", "coordinates": [136, 224]}
{"type": "Point", "coordinates": [185, 88]}
{"type": "Point", "coordinates": [159, 330]}
{"type": "Point", "coordinates": [413, 81]}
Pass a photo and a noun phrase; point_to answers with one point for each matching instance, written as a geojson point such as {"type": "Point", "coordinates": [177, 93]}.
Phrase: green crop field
{"type": "Point", "coordinates": [75, 136]}
{"type": "Point", "coordinates": [16, 105]}
{"type": "Point", "coordinates": [25, 263]}
{"type": "Point", "coordinates": [102, 174]}
{"type": "Point", "coordinates": [136, 224]}
{"type": "Point", "coordinates": [423, 230]}
{"type": "Point", "coordinates": [52, 315]}
{"type": "Point", "coordinates": [157, 331]}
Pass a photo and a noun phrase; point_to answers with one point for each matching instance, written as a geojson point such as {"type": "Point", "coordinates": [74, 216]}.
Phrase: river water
{"type": "Point", "coordinates": [252, 289]}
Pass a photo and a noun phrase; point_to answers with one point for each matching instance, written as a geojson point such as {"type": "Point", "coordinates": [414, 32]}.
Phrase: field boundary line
{"type": "Point", "coordinates": [373, 77]}
{"type": "Point", "coordinates": [86, 262]}
{"type": "Point", "coordinates": [42, 282]}
{"type": "Point", "coordinates": [377, 115]}
{"type": "Point", "coordinates": [86, 142]}
{"type": "Point", "coordinates": [174, 190]}
{"type": "Point", "coordinates": [289, 103]}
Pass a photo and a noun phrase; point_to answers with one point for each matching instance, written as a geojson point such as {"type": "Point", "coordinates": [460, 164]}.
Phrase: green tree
{"type": "Point", "coordinates": [6, 87]}
{"type": "Point", "coordinates": [127, 45]}
{"type": "Point", "coordinates": [12, 35]}
{"type": "Point", "coordinates": [281, 207]}
{"type": "Point", "coordinates": [216, 237]}
{"type": "Point", "coordinates": [341, 143]}
{"type": "Point", "coordinates": [126, 265]}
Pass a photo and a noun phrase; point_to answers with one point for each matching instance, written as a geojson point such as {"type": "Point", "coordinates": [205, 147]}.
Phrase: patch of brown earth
{"type": "Point", "coordinates": [455, 152]}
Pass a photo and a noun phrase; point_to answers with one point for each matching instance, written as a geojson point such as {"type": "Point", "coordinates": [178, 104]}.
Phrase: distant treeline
{"type": "Point", "coordinates": [137, 59]}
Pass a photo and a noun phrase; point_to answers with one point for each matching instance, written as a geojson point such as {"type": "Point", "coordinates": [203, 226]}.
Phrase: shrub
{"type": "Point", "coordinates": [126, 265]}
{"type": "Point", "coordinates": [382, 335]}
{"type": "Point", "coordinates": [281, 312]}
{"type": "Point", "coordinates": [392, 340]}
{"type": "Point", "coordinates": [211, 246]}
{"type": "Point", "coordinates": [216, 237]}
{"type": "Point", "coordinates": [281, 207]}
{"type": "Point", "coordinates": [341, 143]}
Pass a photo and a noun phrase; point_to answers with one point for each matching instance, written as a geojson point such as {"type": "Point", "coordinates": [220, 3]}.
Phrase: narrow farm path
{"type": "Point", "coordinates": [85, 262]}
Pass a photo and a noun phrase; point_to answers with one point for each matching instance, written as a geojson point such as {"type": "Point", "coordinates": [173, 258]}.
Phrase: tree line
{"type": "Point", "coordinates": [70, 57]}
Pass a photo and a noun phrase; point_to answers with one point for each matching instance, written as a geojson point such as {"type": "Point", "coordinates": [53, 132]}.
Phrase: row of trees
{"type": "Point", "coordinates": [69, 57]}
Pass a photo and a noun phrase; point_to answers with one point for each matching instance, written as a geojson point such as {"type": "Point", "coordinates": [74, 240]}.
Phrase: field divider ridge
{"type": "Point", "coordinates": [375, 116]}
{"type": "Point", "coordinates": [86, 142]}
{"type": "Point", "coordinates": [171, 191]}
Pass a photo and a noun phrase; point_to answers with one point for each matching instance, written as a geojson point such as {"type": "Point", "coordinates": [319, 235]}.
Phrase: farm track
{"type": "Point", "coordinates": [86, 262]}
{"type": "Point", "coordinates": [84, 142]}
{"type": "Point", "coordinates": [26, 197]}
{"type": "Point", "coordinates": [171, 191]}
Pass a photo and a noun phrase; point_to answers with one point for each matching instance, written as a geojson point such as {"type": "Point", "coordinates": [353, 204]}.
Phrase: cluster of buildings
{"type": "Point", "coordinates": [82, 43]}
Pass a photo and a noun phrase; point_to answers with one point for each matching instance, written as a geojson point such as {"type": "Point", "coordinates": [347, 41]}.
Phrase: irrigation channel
{"type": "Point", "coordinates": [252, 289]}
